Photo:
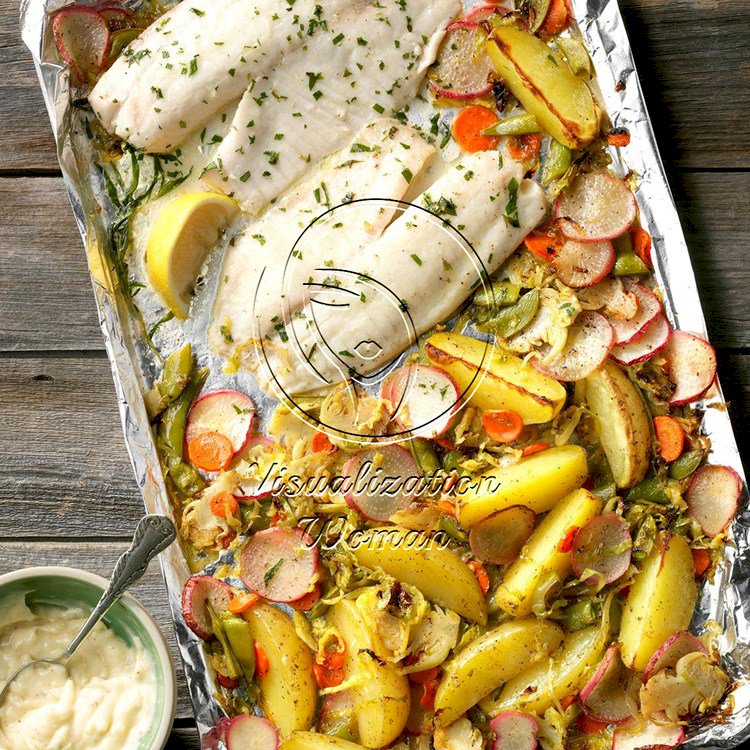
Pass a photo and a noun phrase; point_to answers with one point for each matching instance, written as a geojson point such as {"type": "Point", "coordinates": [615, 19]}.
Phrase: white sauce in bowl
{"type": "Point", "coordinates": [105, 701]}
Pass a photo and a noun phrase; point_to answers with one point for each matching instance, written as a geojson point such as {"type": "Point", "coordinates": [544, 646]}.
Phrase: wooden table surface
{"type": "Point", "coordinates": [67, 494]}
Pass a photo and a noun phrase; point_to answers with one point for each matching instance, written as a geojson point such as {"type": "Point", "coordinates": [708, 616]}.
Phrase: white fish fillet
{"type": "Point", "coordinates": [196, 60]}
{"type": "Point", "coordinates": [368, 61]}
{"type": "Point", "coordinates": [373, 304]}
{"type": "Point", "coordinates": [373, 164]}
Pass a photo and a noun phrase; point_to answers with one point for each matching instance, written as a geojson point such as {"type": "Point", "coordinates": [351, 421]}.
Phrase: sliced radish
{"type": "Point", "coordinates": [589, 340]}
{"type": "Point", "coordinates": [671, 651]}
{"type": "Point", "coordinates": [713, 497]}
{"type": "Point", "coordinates": [382, 481]}
{"type": "Point", "coordinates": [639, 734]}
{"type": "Point", "coordinates": [82, 37]}
{"type": "Point", "coordinates": [649, 345]}
{"type": "Point", "coordinates": [596, 207]}
{"type": "Point", "coordinates": [424, 400]}
{"type": "Point", "coordinates": [581, 264]}
{"type": "Point", "coordinates": [483, 12]}
{"type": "Point", "coordinates": [280, 564]}
{"type": "Point", "coordinates": [199, 593]}
{"type": "Point", "coordinates": [249, 490]}
{"type": "Point", "coordinates": [604, 546]}
{"type": "Point", "coordinates": [514, 731]}
{"type": "Point", "coordinates": [691, 362]}
{"type": "Point", "coordinates": [230, 413]}
{"type": "Point", "coordinates": [251, 733]}
{"type": "Point", "coordinates": [499, 538]}
{"type": "Point", "coordinates": [463, 69]}
{"type": "Point", "coordinates": [649, 309]}
{"type": "Point", "coordinates": [611, 298]}
{"type": "Point", "coordinates": [608, 695]}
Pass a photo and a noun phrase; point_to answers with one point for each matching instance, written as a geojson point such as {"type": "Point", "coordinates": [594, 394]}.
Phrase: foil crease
{"type": "Point", "coordinates": [725, 600]}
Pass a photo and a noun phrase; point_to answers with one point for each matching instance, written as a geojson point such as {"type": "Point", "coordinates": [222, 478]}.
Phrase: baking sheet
{"type": "Point", "coordinates": [726, 599]}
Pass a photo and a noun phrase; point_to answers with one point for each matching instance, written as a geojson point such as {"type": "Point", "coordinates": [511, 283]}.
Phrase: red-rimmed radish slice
{"type": "Point", "coordinates": [596, 207]}
{"type": "Point", "coordinates": [280, 564]}
{"type": "Point", "coordinates": [649, 309]}
{"type": "Point", "coordinates": [258, 439]}
{"type": "Point", "coordinates": [424, 400]}
{"type": "Point", "coordinates": [604, 546]}
{"type": "Point", "coordinates": [640, 734]}
{"type": "Point", "coordinates": [230, 413]}
{"type": "Point", "coordinates": [589, 340]}
{"type": "Point", "coordinates": [199, 593]}
{"type": "Point", "coordinates": [514, 731]}
{"type": "Point", "coordinates": [251, 733]}
{"type": "Point", "coordinates": [482, 12]}
{"type": "Point", "coordinates": [382, 481]}
{"type": "Point", "coordinates": [82, 37]}
{"type": "Point", "coordinates": [691, 362]}
{"type": "Point", "coordinates": [671, 651]}
{"type": "Point", "coordinates": [611, 298]}
{"type": "Point", "coordinates": [645, 347]}
{"type": "Point", "coordinates": [463, 69]}
{"type": "Point", "coordinates": [713, 497]}
{"type": "Point", "coordinates": [498, 539]}
{"type": "Point", "coordinates": [581, 264]}
{"type": "Point", "coordinates": [337, 715]}
{"type": "Point", "coordinates": [609, 695]}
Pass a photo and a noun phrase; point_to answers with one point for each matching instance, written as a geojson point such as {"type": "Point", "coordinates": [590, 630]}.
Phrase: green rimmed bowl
{"type": "Point", "coordinates": [127, 619]}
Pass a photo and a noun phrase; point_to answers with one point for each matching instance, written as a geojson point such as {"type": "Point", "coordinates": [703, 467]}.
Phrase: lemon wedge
{"type": "Point", "coordinates": [181, 236]}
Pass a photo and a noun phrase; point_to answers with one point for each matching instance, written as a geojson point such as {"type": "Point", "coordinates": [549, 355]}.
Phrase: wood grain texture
{"type": "Point", "coordinates": [693, 57]}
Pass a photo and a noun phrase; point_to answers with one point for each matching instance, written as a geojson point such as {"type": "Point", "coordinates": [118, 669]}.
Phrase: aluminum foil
{"type": "Point", "coordinates": [725, 600]}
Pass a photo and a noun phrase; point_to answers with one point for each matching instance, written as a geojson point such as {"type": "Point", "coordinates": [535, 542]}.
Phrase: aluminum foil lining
{"type": "Point", "coordinates": [725, 600]}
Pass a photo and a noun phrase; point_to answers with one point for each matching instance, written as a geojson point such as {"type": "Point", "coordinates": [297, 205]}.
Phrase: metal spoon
{"type": "Point", "coordinates": [152, 535]}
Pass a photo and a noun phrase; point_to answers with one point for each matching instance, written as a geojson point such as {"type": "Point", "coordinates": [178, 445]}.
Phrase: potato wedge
{"type": "Point", "coordinates": [549, 682]}
{"type": "Point", "coordinates": [543, 558]}
{"type": "Point", "coordinates": [316, 741]}
{"type": "Point", "coordinates": [546, 87]}
{"type": "Point", "coordinates": [421, 561]}
{"type": "Point", "coordinates": [288, 693]}
{"type": "Point", "coordinates": [621, 422]}
{"type": "Point", "coordinates": [536, 482]}
{"type": "Point", "coordinates": [490, 660]}
{"type": "Point", "coordinates": [660, 601]}
{"type": "Point", "coordinates": [508, 382]}
{"type": "Point", "coordinates": [380, 693]}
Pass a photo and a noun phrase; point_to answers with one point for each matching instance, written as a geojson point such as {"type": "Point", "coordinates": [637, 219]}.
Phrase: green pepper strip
{"type": "Point", "coordinates": [629, 264]}
{"type": "Point", "coordinates": [650, 491]}
{"type": "Point", "coordinates": [516, 125]}
{"type": "Point", "coordinates": [556, 163]}
{"type": "Point", "coordinates": [510, 320]}
{"type": "Point", "coordinates": [499, 294]}
{"type": "Point", "coordinates": [685, 465]}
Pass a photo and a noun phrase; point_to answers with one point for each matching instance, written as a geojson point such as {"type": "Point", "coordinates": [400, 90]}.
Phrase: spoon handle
{"type": "Point", "coordinates": [152, 535]}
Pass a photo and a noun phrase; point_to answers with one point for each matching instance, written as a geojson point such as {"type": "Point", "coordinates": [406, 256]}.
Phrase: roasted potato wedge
{"type": "Point", "coordinates": [544, 84]}
{"type": "Point", "coordinates": [536, 482]}
{"type": "Point", "coordinates": [422, 562]}
{"type": "Point", "coordinates": [660, 601]}
{"type": "Point", "coordinates": [288, 693]}
{"type": "Point", "coordinates": [316, 741]}
{"type": "Point", "coordinates": [507, 382]}
{"type": "Point", "coordinates": [381, 694]}
{"type": "Point", "coordinates": [492, 659]}
{"type": "Point", "coordinates": [543, 558]}
{"type": "Point", "coordinates": [549, 682]}
{"type": "Point", "coordinates": [621, 422]}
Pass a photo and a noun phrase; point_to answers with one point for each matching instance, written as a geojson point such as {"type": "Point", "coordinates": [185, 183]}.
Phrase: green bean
{"type": "Point", "coordinates": [557, 162]}
{"type": "Point", "coordinates": [452, 461]}
{"type": "Point", "coordinates": [576, 55]}
{"type": "Point", "coordinates": [650, 491]}
{"type": "Point", "coordinates": [685, 465]}
{"type": "Point", "coordinates": [516, 125]}
{"type": "Point", "coordinates": [173, 421]}
{"type": "Point", "coordinates": [578, 616]}
{"type": "Point", "coordinates": [508, 321]}
{"type": "Point", "coordinates": [175, 375]}
{"type": "Point", "coordinates": [424, 456]}
{"type": "Point", "coordinates": [499, 294]}
{"type": "Point", "coordinates": [629, 264]}
{"type": "Point", "coordinates": [449, 525]}
{"type": "Point", "coordinates": [605, 491]}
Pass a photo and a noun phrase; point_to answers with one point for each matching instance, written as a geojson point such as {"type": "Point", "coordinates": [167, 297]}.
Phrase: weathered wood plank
{"type": "Point", "coordinates": [65, 471]}
{"type": "Point", "coordinates": [47, 303]}
{"type": "Point", "coordinates": [693, 57]}
{"type": "Point", "coordinates": [183, 738]}
{"type": "Point", "coordinates": [100, 558]}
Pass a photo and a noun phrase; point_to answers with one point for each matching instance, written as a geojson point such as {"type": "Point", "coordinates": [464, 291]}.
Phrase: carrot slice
{"type": "Point", "coordinates": [223, 504]}
{"type": "Point", "coordinates": [262, 665]}
{"type": "Point", "coordinates": [328, 667]}
{"type": "Point", "coordinates": [557, 19]}
{"type": "Point", "coordinates": [641, 240]}
{"type": "Point", "coordinates": [321, 444]}
{"type": "Point", "coordinates": [525, 147]}
{"type": "Point", "coordinates": [481, 575]}
{"type": "Point", "coordinates": [305, 603]}
{"type": "Point", "coordinates": [530, 450]}
{"type": "Point", "coordinates": [568, 701]}
{"type": "Point", "coordinates": [587, 725]}
{"type": "Point", "coordinates": [502, 425]}
{"type": "Point", "coordinates": [468, 127]}
{"type": "Point", "coordinates": [671, 437]}
{"type": "Point", "coordinates": [618, 137]}
{"type": "Point", "coordinates": [421, 678]}
{"type": "Point", "coordinates": [428, 696]}
{"type": "Point", "coordinates": [544, 246]}
{"type": "Point", "coordinates": [210, 451]}
{"type": "Point", "coordinates": [701, 561]}
{"type": "Point", "coordinates": [242, 602]}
